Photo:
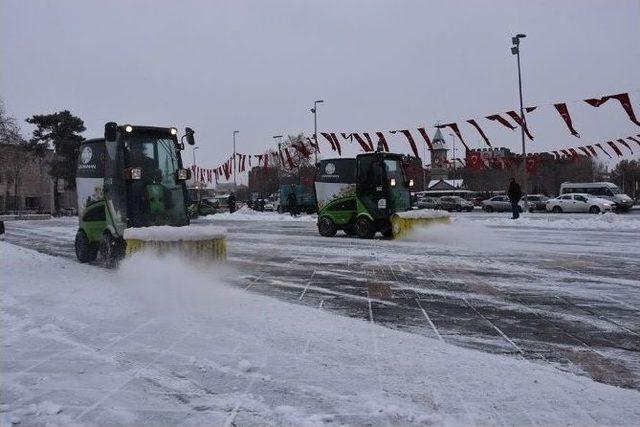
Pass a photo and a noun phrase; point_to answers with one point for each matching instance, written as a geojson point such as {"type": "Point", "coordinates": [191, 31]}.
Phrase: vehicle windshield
{"type": "Point", "coordinates": [400, 194]}
{"type": "Point", "coordinates": [157, 198]}
{"type": "Point", "coordinates": [615, 190]}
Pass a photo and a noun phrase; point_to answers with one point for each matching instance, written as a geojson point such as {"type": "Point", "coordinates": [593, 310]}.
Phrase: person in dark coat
{"type": "Point", "coordinates": [292, 202]}
{"type": "Point", "coordinates": [232, 202]}
{"type": "Point", "coordinates": [515, 194]}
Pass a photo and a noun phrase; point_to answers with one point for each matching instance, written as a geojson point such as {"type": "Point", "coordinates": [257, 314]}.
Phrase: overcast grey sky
{"type": "Point", "coordinates": [257, 66]}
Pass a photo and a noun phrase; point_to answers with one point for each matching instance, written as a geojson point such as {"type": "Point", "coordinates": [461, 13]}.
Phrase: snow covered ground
{"type": "Point", "coordinates": [485, 321]}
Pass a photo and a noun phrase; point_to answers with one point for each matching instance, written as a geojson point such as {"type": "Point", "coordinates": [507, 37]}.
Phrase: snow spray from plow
{"type": "Point", "coordinates": [205, 243]}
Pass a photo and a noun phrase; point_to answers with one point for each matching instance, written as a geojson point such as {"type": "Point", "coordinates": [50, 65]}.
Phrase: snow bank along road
{"type": "Point", "coordinates": [547, 294]}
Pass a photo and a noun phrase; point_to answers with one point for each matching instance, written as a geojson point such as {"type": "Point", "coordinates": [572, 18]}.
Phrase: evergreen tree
{"type": "Point", "coordinates": [62, 130]}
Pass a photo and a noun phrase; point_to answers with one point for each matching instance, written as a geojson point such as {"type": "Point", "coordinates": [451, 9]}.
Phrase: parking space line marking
{"type": "Point", "coordinates": [494, 327]}
{"type": "Point", "coordinates": [429, 320]}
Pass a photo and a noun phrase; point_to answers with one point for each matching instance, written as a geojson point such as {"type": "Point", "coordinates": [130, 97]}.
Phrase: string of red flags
{"type": "Point", "coordinates": [493, 159]}
{"type": "Point", "coordinates": [624, 100]}
{"type": "Point", "coordinates": [377, 140]}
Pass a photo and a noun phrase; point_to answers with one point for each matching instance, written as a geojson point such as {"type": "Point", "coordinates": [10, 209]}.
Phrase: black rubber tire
{"type": "Point", "coordinates": [350, 230]}
{"type": "Point", "coordinates": [110, 251]}
{"type": "Point", "coordinates": [488, 209]}
{"type": "Point", "coordinates": [519, 208]}
{"type": "Point", "coordinates": [458, 208]}
{"type": "Point", "coordinates": [364, 228]}
{"type": "Point", "coordinates": [556, 209]}
{"type": "Point", "coordinates": [326, 227]}
{"type": "Point", "coordinates": [85, 250]}
{"type": "Point", "coordinates": [531, 210]}
{"type": "Point", "coordinates": [594, 210]}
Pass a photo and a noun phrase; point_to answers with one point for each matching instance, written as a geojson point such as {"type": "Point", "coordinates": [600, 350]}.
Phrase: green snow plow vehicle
{"type": "Point", "coordinates": [367, 195]}
{"type": "Point", "coordinates": [132, 180]}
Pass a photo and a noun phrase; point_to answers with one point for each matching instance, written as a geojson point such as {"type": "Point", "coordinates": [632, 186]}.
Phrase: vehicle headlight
{"type": "Point", "coordinates": [133, 173]}
{"type": "Point", "coordinates": [182, 174]}
{"type": "Point", "coordinates": [173, 131]}
{"type": "Point", "coordinates": [410, 183]}
{"type": "Point", "coordinates": [128, 128]}
{"type": "Point", "coordinates": [393, 182]}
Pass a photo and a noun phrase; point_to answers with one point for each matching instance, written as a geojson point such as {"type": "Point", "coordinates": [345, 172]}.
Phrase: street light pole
{"type": "Point", "coordinates": [195, 178]}
{"type": "Point", "coordinates": [234, 159]}
{"type": "Point", "coordinates": [515, 50]}
{"type": "Point", "coordinates": [454, 155]}
{"type": "Point", "coordinates": [314, 110]}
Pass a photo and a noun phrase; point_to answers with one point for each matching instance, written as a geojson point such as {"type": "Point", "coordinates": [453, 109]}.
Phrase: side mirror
{"type": "Point", "coordinates": [188, 133]}
{"type": "Point", "coordinates": [110, 131]}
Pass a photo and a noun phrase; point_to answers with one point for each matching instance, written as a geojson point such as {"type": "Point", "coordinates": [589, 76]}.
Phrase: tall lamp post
{"type": "Point", "coordinates": [454, 155]}
{"type": "Point", "coordinates": [515, 50]}
{"type": "Point", "coordinates": [195, 178]}
{"type": "Point", "coordinates": [278, 139]}
{"type": "Point", "coordinates": [234, 159]}
{"type": "Point", "coordinates": [314, 110]}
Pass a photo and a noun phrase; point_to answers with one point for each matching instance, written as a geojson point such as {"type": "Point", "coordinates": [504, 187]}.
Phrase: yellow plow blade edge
{"type": "Point", "coordinates": [196, 243]}
{"type": "Point", "coordinates": [402, 225]}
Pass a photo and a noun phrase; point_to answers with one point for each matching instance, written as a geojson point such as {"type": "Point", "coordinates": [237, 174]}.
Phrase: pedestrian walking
{"type": "Point", "coordinates": [515, 194]}
{"type": "Point", "coordinates": [232, 202]}
{"type": "Point", "coordinates": [292, 202]}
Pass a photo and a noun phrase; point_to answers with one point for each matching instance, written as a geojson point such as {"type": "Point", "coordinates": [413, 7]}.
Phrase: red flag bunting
{"type": "Point", "coordinates": [593, 150]}
{"type": "Point", "coordinates": [522, 123]}
{"type": "Point", "coordinates": [301, 148]}
{"type": "Point", "coordinates": [615, 148]}
{"type": "Point", "coordinates": [634, 140]}
{"type": "Point", "coordinates": [409, 137]}
{"type": "Point", "coordinates": [585, 151]}
{"type": "Point", "coordinates": [623, 142]}
{"type": "Point", "coordinates": [289, 159]}
{"type": "Point", "coordinates": [425, 136]}
{"type": "Point", "coordinates": [498, 118]}
{"type": "Point", "coordinates": [333, 140]}
{"type": "Point", "coordinates": [603, 150]}
{"type": "Point", "coordinates": [480, 131]}
{"type": "Point", "coordinates": [564, 113]}
{"type": "Point", "coordinates": [624, 100]}
{"type": "Point", "coordinates": [454, 128]}
{"type": "Point", "coordinates": [366, 145]}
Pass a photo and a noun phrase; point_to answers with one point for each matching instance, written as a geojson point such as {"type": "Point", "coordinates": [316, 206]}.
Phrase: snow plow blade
{"type": "Point", "coordinates": [403, 222]}
{"type": "Point", "coordinates": [197, 243]}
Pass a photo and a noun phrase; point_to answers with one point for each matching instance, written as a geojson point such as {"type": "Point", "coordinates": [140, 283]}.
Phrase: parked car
{"type": "Point", "coordinates": [578, 202]}
{"type": "Point", "coordinates": [205, 207]}
{"type": "Point", "coordinates": [536, 202]}
{"type": "Point", "coordinates": [454, 203]}
{"type": "Point", "coordinates": [501, 204]}
{"type": "Point", "coordinates": [427, 203]}
{"type": "Point", "coordinates": [602, 190]}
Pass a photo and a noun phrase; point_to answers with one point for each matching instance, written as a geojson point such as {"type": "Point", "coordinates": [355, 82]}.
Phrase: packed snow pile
{"type": "Point", "coordinates": [159, 342]}
{"type": "Point", "coordinates": [167, 233]}
{"type": "Point", "coordinates": [607, 221]}
{"type": "Point", "coordinates": [423, 214]}
{"type": "Point", "coordinates": [247, 214]}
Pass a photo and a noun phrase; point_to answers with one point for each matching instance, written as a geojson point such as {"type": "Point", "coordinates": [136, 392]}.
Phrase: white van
{"type": "Point", "coordinates": [603, 190]}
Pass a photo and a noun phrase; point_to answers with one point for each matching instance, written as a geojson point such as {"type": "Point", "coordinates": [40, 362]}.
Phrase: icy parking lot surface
{"type": "Point", "coordinates": [486, 321]}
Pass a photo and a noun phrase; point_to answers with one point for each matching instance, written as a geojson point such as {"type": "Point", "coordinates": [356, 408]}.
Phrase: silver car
{"type": "Point", "coordinates": [501, 204]}
{"type": "Point", "coordinates": [427, 203]}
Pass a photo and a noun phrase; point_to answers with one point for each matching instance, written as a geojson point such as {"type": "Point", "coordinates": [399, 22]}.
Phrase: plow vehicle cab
{"type": "Point", "coordinates": [365, 195]}
{"type": "Point", "coordinates": [133, 177]}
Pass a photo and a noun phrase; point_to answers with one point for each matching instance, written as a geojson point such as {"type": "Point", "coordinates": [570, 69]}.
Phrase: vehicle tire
{"type": "Point", "coordinates": [438, 207]}
{"type": "Point", "coordinates": [520, 209]}
{"type": "Point", "coordinates": [488, 209]}
{"type": "Point", "coordinates": [458, 208]}
{"type": "Point", "coordinates": [556, 209]}
{"type": "Point", "coordinates": [110, 251]}
{"type": "Point", "coordinates": [350, 230]}
{"type": "Point", "coordinates": [594, 210]}
{"type": "Point", "coordinates": [364, 228]}
{"type": "Point", "coordinates": [85, 250]}
{"type": "Point", "coordinates": [326, 227]}
{"type": "Point", "coordinates": [531, 210]}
